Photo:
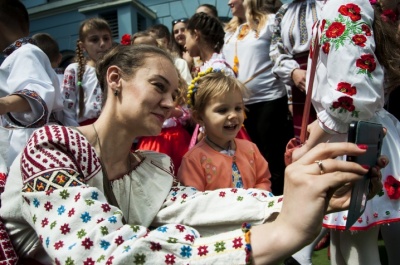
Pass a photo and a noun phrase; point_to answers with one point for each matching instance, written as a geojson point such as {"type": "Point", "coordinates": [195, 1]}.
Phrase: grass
{"type": "Point", "coordinates": [320, 257]}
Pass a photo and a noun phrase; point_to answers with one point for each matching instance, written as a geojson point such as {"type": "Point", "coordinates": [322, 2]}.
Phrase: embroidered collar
{"type": "Point", "coordinates": [17, 44]}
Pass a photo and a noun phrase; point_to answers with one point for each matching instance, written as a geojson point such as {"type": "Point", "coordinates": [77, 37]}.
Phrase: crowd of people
{"type": "Point", "coordinates": [168, 147]}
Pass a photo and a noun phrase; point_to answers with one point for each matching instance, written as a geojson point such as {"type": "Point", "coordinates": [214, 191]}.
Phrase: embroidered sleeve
{"type": "Point", "coordinates": [76, 225]}
{"type": "Point", "coordinates": [188, 205]}
{"type": "Point", "coordinates": [70, 95]}
{"type": "Point", "coordinates": [29, 79]}
{"type": "Point", "coordinates": [352, 86]}
{"type": "Point", "coordinates": [280, 56]}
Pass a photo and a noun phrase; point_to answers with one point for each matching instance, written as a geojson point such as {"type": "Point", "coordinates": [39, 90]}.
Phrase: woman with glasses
{"type": "Point", "coordinates": [178, 45]}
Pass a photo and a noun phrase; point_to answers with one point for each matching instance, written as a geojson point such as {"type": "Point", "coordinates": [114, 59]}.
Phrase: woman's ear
{"type": "Point", "coordinates": [114, 79]}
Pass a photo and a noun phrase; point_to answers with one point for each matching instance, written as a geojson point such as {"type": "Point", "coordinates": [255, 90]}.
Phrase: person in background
{"type": "Point", "coordinates": [289, 51]}
{"type": "Point", "coordinates": [80, 88]}
{"type": "Point", "coordinates": [89, 198]}
{"type": "Point", "coordinates": [29, 87]}
{"type": "Point", "coordinates": [178, 43]}
{"type": "Point", "coordinates": [358, 56]}
{"type": "Point", "coordinates": [163, 36]}
{"type": "Point", "coordinates": [247, 41]}
{"type": "Point", "coordinates": [208, 9]}
{"type": "Point", "coordinates": [204, 39]}
{"type": "Point", "coordinates": [219, 160]}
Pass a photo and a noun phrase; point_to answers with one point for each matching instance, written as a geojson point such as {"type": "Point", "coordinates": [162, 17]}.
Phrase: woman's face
{"type": "Point", "coordinates": [191, 45]}
{"type": "Point", "coordinates": [237, 8]}
{"type": "Point", "coordinates": [179, 33]}
{"type": "Point", "coordinates": [147, 99]}
{"type": "Point", "coordinates": [96, 43]}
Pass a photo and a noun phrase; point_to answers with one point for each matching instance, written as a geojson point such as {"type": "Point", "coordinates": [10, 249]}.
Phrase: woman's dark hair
{"type": "Point", "coordinates": [387, 48]}
{"type": "Point", "coordinates": [129, 59]}
{"type": "Point", "coordinates": [212, 8]}
{"type": "Point", "coordinates": [210, 28]}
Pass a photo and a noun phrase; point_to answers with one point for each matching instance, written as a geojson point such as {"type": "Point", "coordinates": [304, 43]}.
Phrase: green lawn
{"type": "Point", "coordinates": [321, 257]}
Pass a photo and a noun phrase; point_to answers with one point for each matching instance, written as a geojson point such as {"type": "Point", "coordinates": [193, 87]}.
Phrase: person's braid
{"type": "Point", "coordinates": [81, 70]}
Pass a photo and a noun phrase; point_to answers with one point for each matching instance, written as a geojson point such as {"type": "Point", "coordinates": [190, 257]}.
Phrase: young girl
{"type": "Point", "coordinates": [81, 89]}
{"type": "Point", "coordinates": [205, 38]}
{"type": "Point", "coordinates": [219, 160]}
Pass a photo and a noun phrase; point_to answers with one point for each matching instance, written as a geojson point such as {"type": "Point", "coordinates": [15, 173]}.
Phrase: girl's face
{"type": "Point", "coordinates": [191, 45]}
{"type": "Point", "coordinates": [223, 117]}
{"type": "Point", "coordinates": [179, 33]}
{"type": "Point", "coordinates": [237, 8]}
{"type": "Point", "coordinates": [147, 99]}
{"type": "Point", "coordinates": [97, 43]}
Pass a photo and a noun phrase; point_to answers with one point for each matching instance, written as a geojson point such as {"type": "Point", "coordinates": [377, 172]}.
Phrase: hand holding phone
{"type": "Point", "coordinates": [370, 134]}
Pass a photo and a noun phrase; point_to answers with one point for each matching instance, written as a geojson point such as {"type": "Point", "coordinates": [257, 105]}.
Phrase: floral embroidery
{"type": "Point", "coordinates": [335, 30]}
{"type": "Point", "coordinates": [345, 104]}
{"type": "Point", "coordinates": [346, 88]}
{"type": "Point", "coordinates": [326, 47]}
{"type": "Point", "coordinates": [351, 10]}
{"type": "Point", "coordinates": [367, 64]}
{"type": "Point", "coordinates": [366, 30]}
{"type": "Point", "coordinates": [359, 40]}
{"type": "Point", "coordinates": [392, 187]}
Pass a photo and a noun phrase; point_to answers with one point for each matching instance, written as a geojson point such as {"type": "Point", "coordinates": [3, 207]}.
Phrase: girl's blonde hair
{"type": "Point", "coordinates": [256, 15]}
{"type": "Point", "coordinates": [85, 27]}
{"type": "Point", "coordinates": [212, 85]}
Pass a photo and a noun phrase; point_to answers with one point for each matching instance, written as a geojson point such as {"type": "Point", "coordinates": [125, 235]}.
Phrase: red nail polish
{"type": "Point", "coordinates": [363, 146]}
{"type": "Point", "coordinates": [366, 166]}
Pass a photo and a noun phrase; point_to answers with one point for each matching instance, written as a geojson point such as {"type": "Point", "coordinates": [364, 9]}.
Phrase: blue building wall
{"type": "Point", "coordinates": [64, 25]}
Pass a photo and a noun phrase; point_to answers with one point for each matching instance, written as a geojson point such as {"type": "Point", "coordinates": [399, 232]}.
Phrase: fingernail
{"type": "Point", "coordinates": [366, 166]}
{"type": "Point", "coordinates": [363, 146]}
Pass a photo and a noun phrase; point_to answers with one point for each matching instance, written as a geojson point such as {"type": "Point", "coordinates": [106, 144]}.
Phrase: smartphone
{"type": "Point", "coordinates": [370, 134]}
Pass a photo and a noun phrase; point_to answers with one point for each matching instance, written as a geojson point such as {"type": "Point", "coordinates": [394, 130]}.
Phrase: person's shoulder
{"type": "Point", "coordinates": [245, 144]}
{"type": "Point", "coordinates": [156, 158]}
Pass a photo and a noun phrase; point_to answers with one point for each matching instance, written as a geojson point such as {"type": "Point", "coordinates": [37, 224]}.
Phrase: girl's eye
{"type": "Point", "coordinates": [159, 86]}
{"type": "Point", "coordinates": [238, 108]}
{"type": "Point", "coordinates": [221, 110]}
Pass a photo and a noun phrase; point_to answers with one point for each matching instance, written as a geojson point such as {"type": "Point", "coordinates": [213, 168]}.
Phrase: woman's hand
{"type": "Point", "coordinates": [313, 185]}
{"type": "Point", "coordinates": [299, 79]}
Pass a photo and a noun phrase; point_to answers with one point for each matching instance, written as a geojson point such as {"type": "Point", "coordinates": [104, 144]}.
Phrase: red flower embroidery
{"type": "Point", "coordinates": [181, 228]}
{"type": "Point", "coordinates": [335, 30]}
{"type": "Point", "coordinates": [359, 40]}
{"type": "Point", "coordinates": [392, 187]}
{"type": "Point", "coordinates": [155, 246]}
{"type": "Point", "coordinates": [87, 243]}
{"type": "Point", "coordinates": [58, 245]}
{"type": "Point", "coordinates": [106, 207]}
{"type": "Point", "coordinates": [345, 103]}
{"type": "Point", "coordinates": [170, 259]}
{"type": "Point", "coordinates": [126, 39]}
{"type": "Point", "coordinates": [346, 88]}
{"type": "Point", "coordinates": [366, 30]}
{"type": "Point", "coordinates": [65, 229]}
{"type": "Point", "coordinates": [119, 240]}
{"type": "Point", "coordinates": [189, 238]}
{"type": "Point", "coordinates": [351, 10]}
{"type": "Point", "coordinates": [323, 22]}
{"type": "Point", "coordinates": [202, 250]}
{"type": "Point", "coordinates": [222, 194]}
{"type": "Point", "coordinates": [366, 62]}
{"type": "Point", "coordinates": [237, 242]}
{"type": "Point", "coordinates": [326, 47]}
